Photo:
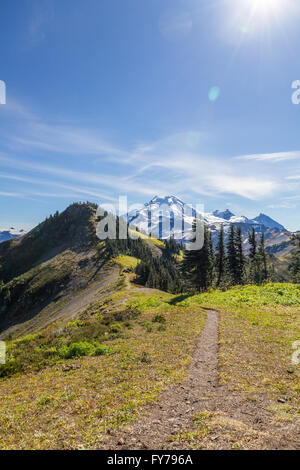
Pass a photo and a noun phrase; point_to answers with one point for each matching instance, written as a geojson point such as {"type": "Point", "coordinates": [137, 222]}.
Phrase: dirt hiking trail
{"type": "Point", "coordinates": [234, 421]}
{"type": "Point", "coordinates": [179, 403]}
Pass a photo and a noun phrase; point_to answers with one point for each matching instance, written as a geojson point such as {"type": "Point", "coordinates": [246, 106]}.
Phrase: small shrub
{"type": "Point", "coordinates": [115, 328]}
{"type": "Point", "coordinates": [161, 328]}
{"type": "Point", "coordinates": [146, 358]}
{"type": "Point", "coordinates": [101, 350]}
{"type": "Point", "coordinates": [148, 326]}
{"type": "Point", "coordinates": [11, 367]}
{"type": "Point", "coordinates": [43, 401]}
{"type": "Point", "coordinates": [130, 313]}
{"type": "Point", "coordinates": [75, 324]}
{"type": "Point", "coordinates": [77, 350]}
{"type": "Point", "coordinates": [159, 319]}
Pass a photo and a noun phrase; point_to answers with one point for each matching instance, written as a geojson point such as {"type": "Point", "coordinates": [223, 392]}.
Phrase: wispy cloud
{"type": "Point", "coordinates": [176, 24]}
{"type": "Point", "coordinates": [107, 180]}
{"type": "Point", "coordinates": [272, 157]}
{"type": "Point", "coordinates": [74, 191]}
{"type": "Point", "coordinates": [177, 163]}
{"type": "Point", "coordinates": [32, 133]}
{"type": "Point", "coordinates": [180, 155]}
{"type": "Point", "coordinates": [7, 194]}
{"type": "Point", "coordinates": [70, 140]}
{"type": "Point", "coordinates": [295, 177]}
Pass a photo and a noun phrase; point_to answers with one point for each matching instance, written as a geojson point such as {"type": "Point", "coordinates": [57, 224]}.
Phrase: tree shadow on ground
{"type": "Point", "coordinates": [180, 298]}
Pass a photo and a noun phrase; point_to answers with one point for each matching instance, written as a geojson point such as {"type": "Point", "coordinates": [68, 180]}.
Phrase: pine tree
{"type": "Point", "coordinates": [203, 264]}
{"type": "Point", "coordinates": [254, 272]}
{"type": "Point", "coordinates": [189, 260]}
{"type": "Point", "coordinates": [295, 265]}
{"type": "Point", "coordinates": [197, 265]}
{"type": "Point", "coordinates": [240, 260]}
{"type": "Point", "coordinates": [232, 256]}
{"type": "Point", "coordinates": [212, 259]}
{"type": "Point", "coordinates": [262, 260]}
{"type": "Point", "coordinates": [220, 257]}
{"type": "Point", "coordinates": [252, 243]}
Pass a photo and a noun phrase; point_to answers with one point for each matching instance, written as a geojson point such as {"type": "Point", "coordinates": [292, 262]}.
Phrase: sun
{"type": "Point", "coordinates": [253, 16]}
{"type": "Point", "coordinates": [266, 8]}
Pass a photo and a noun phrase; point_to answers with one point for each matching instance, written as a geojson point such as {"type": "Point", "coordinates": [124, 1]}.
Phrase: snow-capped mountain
{"type": "Point", "coordinates": [268, 222]}
{"type": "Point", "coordinates": [223, 214]}
{"type": "Point", "coordinates": [163, 216]}
{"type": "Point", "coordinates": [7, 234]}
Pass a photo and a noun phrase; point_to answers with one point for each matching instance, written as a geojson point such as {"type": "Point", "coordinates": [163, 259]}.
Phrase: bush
{"type": "Point", "coordinates": [159, 319]}
{"type": "Point", "coordinates": [11, 367]}
{"type": "Point", "coordinates": [115, 328]}
{"type": "Point", "coordinates": [146, 358]}
{"type": "Point", "coordinates": [77, 349]}
{"type": "Point", "coordinates": [148, 326]}
{"type": "Point", "coordinates": [101, 349]}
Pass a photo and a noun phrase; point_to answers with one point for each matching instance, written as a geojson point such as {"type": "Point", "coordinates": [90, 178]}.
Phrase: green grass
{"type": "Point", "coordinates": [250, 295]}
{"type": "Point", "coordinates": [258, 327]}
{"type": "Point", "coordinates": [96, 373]}
{"type": "Point", "coordinates": [126, 261]}
{"type": "Point", "coordinates": [154, 241]}
{"type": "Point", "coordinates": [70, 400]}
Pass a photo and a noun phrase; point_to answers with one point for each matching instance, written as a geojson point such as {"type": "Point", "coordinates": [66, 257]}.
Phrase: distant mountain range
{"type": "Point", "coordinates": [10, 233]}
{"type": "Point", "coordinates": [169, 214]}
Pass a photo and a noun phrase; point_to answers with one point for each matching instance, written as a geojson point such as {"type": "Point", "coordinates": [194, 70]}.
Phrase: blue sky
{"type": "Point", "coordinates": [113, 97]}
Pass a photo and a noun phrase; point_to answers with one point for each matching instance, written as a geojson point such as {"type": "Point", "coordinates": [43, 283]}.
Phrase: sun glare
{"type": "Point", "coordinates": [252, 16]}
{"type": "Point", "coordinates": [264, 8]}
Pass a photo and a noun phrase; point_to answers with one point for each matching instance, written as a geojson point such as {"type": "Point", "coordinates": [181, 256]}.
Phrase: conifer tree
{"type": "Point", "coordinates": [220, 257]}
{"type": "Point", "coordinates": [189, 260]}
{"type": "Point", "coordinates": [232, 256]}
{"type": "Point", "coordinates": [295, 265]}
{"type": "Point", "coordinates": [262, 260]}
{"type": "Point", "coordinates": [254, 272]}
{"type": "Point", "coordinates": [212, 259]}
{"type": "Point", "coordinates": [252, 243]}
{"type": "Point", "coordinates": [197, 264]}
{"type": "Point", "coordinates": [203, 264]}
{"type": "Point", "coordinates": [240, 263]}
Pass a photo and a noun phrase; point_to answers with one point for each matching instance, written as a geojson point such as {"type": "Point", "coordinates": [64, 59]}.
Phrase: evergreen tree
{"type": "Point", "coordinates": [197, 264]}
{"type": "Point", "coordinates": [203, 264]}
{"type": "Point", "coordinates": [262, 260]}
{"type": "Point", "coordinates": [220, 259]}
{"type": "Point", "coordinates": [252, 243]}
{"type": "Point", "coordinates": [240, 260]}
{"type": "Point", "coordinates": [212, 259]}
{"type": "Point", "coordinates": [189, 261]}
{"type": "Point", "coordinates": [295, 265]}
{"type": "Point", "coordinates": [254, 271]}
{"type": "Point", "coordinates": [232, 264]}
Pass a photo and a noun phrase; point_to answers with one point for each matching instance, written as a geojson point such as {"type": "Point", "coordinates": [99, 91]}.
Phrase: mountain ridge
{"type": "Point", "coordinates": [167, 215]}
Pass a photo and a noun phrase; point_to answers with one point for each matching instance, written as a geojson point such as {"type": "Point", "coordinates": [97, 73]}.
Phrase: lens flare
{"type": "Point", "coordinates": [214, 93]}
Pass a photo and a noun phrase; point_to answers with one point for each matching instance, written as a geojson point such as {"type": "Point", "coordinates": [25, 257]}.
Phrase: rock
{"type": "Point", "coordinates": [281, 400]}
{"type": "Point", "coordinates": [121, 442]}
